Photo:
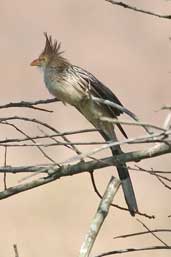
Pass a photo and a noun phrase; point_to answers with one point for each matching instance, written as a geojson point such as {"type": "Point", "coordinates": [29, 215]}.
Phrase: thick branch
{"type": "Point", "coordinates": [68, 170]}
{"type": "Point", "coordinates": [99, 217]}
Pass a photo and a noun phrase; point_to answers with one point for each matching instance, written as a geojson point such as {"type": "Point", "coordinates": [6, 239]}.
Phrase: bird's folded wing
{"type": "Point", "coordinates": [98, 89]}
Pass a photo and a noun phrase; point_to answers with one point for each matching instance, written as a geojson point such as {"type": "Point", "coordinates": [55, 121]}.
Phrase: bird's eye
{"type": "Point", "coordinates": [42, 58]}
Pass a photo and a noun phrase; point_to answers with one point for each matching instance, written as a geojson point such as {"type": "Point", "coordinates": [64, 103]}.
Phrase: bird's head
{"type": "Point", "coordinates": [51, 54]}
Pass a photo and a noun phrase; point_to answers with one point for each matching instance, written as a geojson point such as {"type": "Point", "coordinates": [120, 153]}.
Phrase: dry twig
{"type": "Point", "coordinates": [115, 205]}
{"type": "Point", "coordinates": [143, 233]}
{"type": "Point", "coordinates": [152, 233]}
{"type": "Point", "coordinates": [128, 250]}
{"type": "Point", "coordinates": [133, 8]}
{"type": "Point", "coordinates": [16, 250]}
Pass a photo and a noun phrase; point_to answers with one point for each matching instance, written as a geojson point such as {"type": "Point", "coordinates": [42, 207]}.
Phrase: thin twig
{"type": "Point", "coordinates": [3, 120]}
{"type": "Point", "coordinates": [34, 142]}
{"type": "Point", "coordinates": [139, 168]}
{"type": "Point", "coordinates": [100, 196]}
{"type": "Point", "coordinates": [128, 250]}
{"type": "Point", "coordinates": [60, 134]}
{"type": "Point", "coordinates": [163, 183]}
{"type": "Point", "coordinates": [142, 233]}
{"type": "Point", "coordinates": [115, 205]}
{"type": "Point", "coordinates": [5, 164]}
{"type": "Point", "coordinates": [152, 233]}
{"type": "Point", "coordinates": [16, 250]}
{"type": "Point", "coordinates": [30, 104]}
{"type": "Point", "coordinates": [124, 5]}
{"type": "Point", "coordinates": [165, 107]}
{"type": "Point", "coordinates": [167, 122]}
{"type": "Point", "coordinates": [125, 141]}
{"type": "Point", "coordinates": [159, 177]}
{"type": "Point", "coordinates": [122, 109]}
{"type": "Point", "coordinates": [154, 173]}
{"type": "Point", "coordinates": [97, 164]}
{"type": "Point", "coordinates": [74, 143]}
{"type": "Point", "coordinates": [57, 143]}
{"type": "Point", "coordinates": [67, 143]}
{"type": "Point", "coordinates": [131, 123]}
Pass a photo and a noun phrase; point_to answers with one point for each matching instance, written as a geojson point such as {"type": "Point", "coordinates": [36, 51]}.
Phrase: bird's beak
{"type": "Point", "coordinates": [36, 62]}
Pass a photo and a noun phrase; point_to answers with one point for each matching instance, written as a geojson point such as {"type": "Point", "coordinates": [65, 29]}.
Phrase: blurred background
{"type": "Point", "coordinates": [128, 51]}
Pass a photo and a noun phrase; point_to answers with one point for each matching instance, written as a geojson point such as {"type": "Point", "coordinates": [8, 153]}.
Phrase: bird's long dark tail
{"type": "Point", "coordinates": [126, 184]}
{"type": "Point", "coordinates": [125, 180]}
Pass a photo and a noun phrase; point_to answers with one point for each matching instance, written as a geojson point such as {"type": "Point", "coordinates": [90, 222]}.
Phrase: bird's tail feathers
{"type": "Point", "coordinates": [127, 187]}
{"type": "Point", "coordinates": [108, 133]}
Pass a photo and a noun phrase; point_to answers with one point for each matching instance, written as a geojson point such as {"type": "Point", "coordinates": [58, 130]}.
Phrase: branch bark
{"type": "Point", "coordinates": [55, 172]}
{"type": "Point", "coordinates": [99, 217]}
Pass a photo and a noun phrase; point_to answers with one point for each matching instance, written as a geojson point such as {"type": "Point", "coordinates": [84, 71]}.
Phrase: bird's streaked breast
{"type": "Point", "coordinates": [64, 88]}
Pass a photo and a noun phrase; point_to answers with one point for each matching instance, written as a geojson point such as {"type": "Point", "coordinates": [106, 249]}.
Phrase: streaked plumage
{"type": "Point", "coordinates": [74, 85]}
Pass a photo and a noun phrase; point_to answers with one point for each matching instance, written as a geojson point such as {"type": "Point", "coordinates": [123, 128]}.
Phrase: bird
{"type": "Point", "coordinates": [75, 86]}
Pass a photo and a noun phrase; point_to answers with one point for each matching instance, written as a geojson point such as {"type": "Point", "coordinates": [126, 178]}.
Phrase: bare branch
{"type": "Point", "coordinates": [16, 250]}
{"type": "Point", "coordinates": [100, 196]}
{"type": "Point", "coordinates": [138, 168]}
{"type": "Point", "coordinates": [137, 123]}
{"type": "Point", "coordinates": [4, 120]}
{"type": "Point", "coordinates": [143, 233]}
{"type": "Point", "coordinates": [57, 143]}
{"type": "Point", "coordinates": [163, 183]}
{"type": "Point", "coordinates": [132, 140]}
{"type": "Point", "coordinates": [60, 134]}
{"type": "Point", "coordinates": [115, 205]}
{"type": "Point", "coordinates": [30, 104]}
{"type": "Point", "coordinates": [124, 5]}
{"type": "Point", "coordinates": [122, 109]}
{"type": "Point", "coordinates": [34, 142]}
{"type": "Point", "coordinates": [167, 123]}
{"type": "Point", "coordinates": [152, 233]}
{"type": "Point", "coordinates": [5, 164]}
{"type": "Point", "coordinates": [68, 170]}
{"type": "Point", "coordinates": [128, 250]}
{"type": "Point", "coordinates": [154, 173]}
{"type": "Point", "coordinates": [166, 107]}
{"type": "Point", "coordinates": [95, 164]}
{"type": "Point", "coordinates": [99, 217]}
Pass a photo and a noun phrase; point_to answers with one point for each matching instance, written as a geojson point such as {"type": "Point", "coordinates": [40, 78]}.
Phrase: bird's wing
{"type": "Point", "coordinates": [98, 89]}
